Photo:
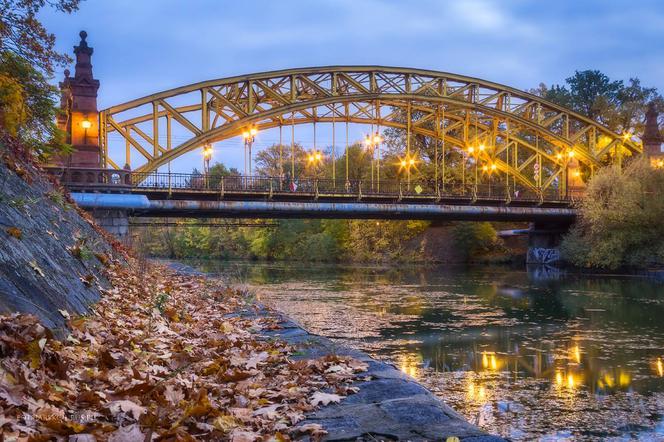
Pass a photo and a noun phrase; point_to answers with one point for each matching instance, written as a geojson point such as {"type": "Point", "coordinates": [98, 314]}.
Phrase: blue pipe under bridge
{"type": "Point", "coordinates": [141, 205]}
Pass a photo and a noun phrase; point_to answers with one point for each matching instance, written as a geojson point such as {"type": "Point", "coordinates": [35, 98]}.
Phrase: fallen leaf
{"type": "Point", "coordinates": [35, 267]}
{"type": "Point", "coordinates": [225, 423]}
{"type": "Point", "coordinates": [131, 433]}
{"type": "Point", "coordinates": [270, 412]}
{"type": "Point", "coordinates": [15, 232]}
{"type": "Point", "coordinates": [244, 436]}
{"type": "Point", "coordinates": [127, 407]}
{"type": "Point", "coordinates": [313, 429]}
{"type": "Point", "coordinates": [254, 360]}
{"type": "Point", "coordinates": [320, 398]}
{"type": "Point", "coordinates": [173, 395]}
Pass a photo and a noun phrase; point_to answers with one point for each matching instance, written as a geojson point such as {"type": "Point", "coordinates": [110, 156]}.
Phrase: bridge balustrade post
{"type": "Point", "coordinates": [359, 190]}
{"type": "Point", "coordinates": [221, 193]}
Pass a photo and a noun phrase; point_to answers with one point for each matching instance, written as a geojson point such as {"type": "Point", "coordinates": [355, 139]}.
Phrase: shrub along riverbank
{"type": "Point", "coordinates": [620, 220]}
{"type": "Point", "coordinates": [327, 241]}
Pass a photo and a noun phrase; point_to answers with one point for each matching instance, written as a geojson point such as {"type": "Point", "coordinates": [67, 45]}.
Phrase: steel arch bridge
{"type": "Point", "coordinates": [525, 139]}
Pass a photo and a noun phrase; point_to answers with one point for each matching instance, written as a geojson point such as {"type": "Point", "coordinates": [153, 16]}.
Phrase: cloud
{"type": "Point", "coordinates": [143, 47]}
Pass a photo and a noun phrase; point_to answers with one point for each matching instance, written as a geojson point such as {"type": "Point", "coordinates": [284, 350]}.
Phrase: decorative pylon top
{"type": "Point", "coordinates": [82, 87]}
{"type": "Point", "coordinates": [651, 134]}
{"type": "Point", "coordinates": [83, 69]}
{"type": "Point", "coordinates": [79, 118]}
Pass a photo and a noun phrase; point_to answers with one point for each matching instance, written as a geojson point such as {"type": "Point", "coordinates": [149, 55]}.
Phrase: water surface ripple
{"type": "Point", "coordinates": [524, 355]}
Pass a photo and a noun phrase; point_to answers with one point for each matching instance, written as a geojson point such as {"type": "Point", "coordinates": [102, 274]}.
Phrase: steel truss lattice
{"type": "Point", "coordinates": [522, 132]}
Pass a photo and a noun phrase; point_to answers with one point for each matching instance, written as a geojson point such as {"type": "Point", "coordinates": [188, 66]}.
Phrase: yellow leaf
{"type": "Point", "coordinates": [34, 354]}
{"type": "Point", "coordinates": [200, 407]}
{"type": "Point", "coordinates": [225, 423]}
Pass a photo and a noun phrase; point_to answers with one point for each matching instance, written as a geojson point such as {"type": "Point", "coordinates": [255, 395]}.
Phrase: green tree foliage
{"type": "Point", "coordinates": [384, 240]}
{"type": "Point", "coordinates": [359, 164]}
{"type": "Point", "coordinates": [474, 239]}
{"type": "Point", "coordinates": [306, 240]}
{"type": "Point", "coordinates": [295, 240]}
{"type": "Point", "coordinates": [276, 159]}
{"type": "Point", "coordinates": [620, 219]}
{"type": "Point", "coordinates": [617, 105]}
{"type": "Point", "coordinates": [217, 172]}
{"type": "Point", "coordinates": [27, 109]}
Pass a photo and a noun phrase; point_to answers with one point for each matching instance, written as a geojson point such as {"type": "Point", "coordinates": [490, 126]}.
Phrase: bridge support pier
{"type": "Point", "coordinates": [544, 243]}
{"type": "Point", "coordinates": [114, 221]}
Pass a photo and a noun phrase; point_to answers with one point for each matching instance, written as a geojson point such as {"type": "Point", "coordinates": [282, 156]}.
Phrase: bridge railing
{"type": "Point", "coordinates": [106, 179]}
{"type": "Point", "coordinates": [92, 178]}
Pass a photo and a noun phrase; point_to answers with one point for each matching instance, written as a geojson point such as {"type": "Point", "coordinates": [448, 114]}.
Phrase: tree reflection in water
{"type": "Point", "coordinates": [525, 355]}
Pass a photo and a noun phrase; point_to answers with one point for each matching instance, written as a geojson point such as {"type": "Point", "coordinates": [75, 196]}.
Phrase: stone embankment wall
{"type": "Point", "coordinates": [51, 257]}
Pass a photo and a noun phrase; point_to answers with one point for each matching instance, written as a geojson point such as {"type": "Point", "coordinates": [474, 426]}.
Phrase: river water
{"type": "Point", "coordinates": [528, 356]}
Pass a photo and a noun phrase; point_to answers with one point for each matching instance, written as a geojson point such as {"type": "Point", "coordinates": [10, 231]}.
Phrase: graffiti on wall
{"type": "Point", "coordinates": [542, 255]}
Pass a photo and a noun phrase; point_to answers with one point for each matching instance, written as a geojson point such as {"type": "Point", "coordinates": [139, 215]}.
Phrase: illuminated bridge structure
{"type": "Point", "coordinates": [491, 152]}
{"type": "Point", "coordinates": [516, 137]}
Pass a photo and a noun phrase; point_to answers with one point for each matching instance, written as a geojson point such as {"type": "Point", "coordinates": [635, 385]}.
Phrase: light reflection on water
{"type": "Point", "coordinates": [553, 357]}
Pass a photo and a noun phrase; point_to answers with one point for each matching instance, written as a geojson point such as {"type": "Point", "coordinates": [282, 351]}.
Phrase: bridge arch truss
{"type": "Point", "coordinates": [528, 140]}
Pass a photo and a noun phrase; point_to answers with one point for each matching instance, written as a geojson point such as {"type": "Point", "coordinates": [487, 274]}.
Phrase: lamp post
{"type": "Point", "coordinates": [570, 155]}
{"type": "Point", "coordinates": [564, 163]}
{"type": "Point", "coordinates": [314, 158]}
{"type": "Point", "coordinates": [249, 137]}
{"type": "Point", "coordinates": [408, 162]}
{"type": "Point", "coordinates": [207, 156]}
{"type": "Point", "coordinates": [372, 143]}
{"type": "Point", "coordinates": [85, 124]}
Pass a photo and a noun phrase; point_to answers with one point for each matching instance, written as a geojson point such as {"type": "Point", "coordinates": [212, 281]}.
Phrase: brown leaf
{"type": "Point", "coordinates": [127, 407]}
{"type": "Point", "coordinates": [15, 232]}
{"type": "Point", "coordinates": [173, 395]}
{"type": "Point", "coordinates": [111, 360]}
{"type": "Point", "coordinates": [200, 406]}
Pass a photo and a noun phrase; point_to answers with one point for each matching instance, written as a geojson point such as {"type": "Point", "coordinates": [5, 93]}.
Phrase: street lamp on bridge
{"type": "Point", "coordinates": [406, 163]}
{"type": "Point", "coordinates": [372, 144]}
{"type": "Point", "coordinates": [249, 137]}
{"type": "Point", "coordinates": [564, 159]}
{"type": "Point", "coordinates": [207, 156]}
{"type": "Point", "coordinates": [314, 159]}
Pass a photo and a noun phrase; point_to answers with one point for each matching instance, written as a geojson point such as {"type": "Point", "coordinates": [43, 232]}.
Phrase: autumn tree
{"type": "Point", "coordinates": [277, 159]}
{"type": "Point", "coordinates": [620, 219]}
{"type": "Point", "coordinates": [27, 60]}
{"type": "Point", "coordinates": [22, 34]}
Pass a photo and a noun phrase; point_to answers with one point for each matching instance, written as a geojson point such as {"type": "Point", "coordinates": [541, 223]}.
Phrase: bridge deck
{"type": "Point", "coordinates": [186, 195]}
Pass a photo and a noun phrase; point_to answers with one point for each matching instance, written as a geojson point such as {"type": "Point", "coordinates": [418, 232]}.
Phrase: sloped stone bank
{"type": "Point", "coordinates": [51, 257]}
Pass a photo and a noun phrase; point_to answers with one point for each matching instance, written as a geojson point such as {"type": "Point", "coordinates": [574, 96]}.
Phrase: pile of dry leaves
{"type": "Point", "coordinates": [161, 358]}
